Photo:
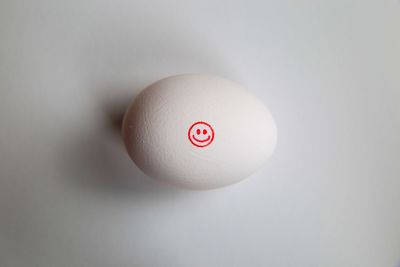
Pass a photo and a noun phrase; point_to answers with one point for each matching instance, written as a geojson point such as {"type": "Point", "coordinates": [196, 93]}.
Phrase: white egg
{"type": "Point", "coordinates": [198, 131]}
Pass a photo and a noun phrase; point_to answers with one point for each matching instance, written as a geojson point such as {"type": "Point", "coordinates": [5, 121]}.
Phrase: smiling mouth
{"type": "Point", "coordinates": [201, 141]}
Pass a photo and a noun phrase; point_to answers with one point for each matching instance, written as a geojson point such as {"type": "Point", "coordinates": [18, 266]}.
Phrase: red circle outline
{"type": "Point", "coordinates": [212, 133]}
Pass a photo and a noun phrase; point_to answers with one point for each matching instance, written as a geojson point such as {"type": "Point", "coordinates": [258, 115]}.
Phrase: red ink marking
{"type": "Point", "coordinates": [197, 128]}
{"type": "Point", "coordinates": [201, 141]}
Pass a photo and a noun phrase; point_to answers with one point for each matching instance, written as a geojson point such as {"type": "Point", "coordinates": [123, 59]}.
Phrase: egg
{"type": "Point", "coordinates": [198, 131]}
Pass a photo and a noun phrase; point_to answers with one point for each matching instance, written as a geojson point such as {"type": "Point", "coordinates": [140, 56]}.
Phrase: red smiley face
{"type": "Point", "coordinates": [201, 134]}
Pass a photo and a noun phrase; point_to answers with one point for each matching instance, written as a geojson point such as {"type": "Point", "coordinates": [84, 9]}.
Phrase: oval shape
{"type": "Point", "coordinates": [198, 131]}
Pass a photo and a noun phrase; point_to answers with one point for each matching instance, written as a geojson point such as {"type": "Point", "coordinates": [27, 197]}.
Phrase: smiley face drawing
{"type": "Point", "coordinates": [201, 134]}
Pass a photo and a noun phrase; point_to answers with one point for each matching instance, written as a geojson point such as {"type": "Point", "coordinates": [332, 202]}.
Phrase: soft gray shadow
{"type": "Point", "coordinates": [114, 109]}
{"type": "Point", "coordinates": [115, 112]}
{"type": "Point", "coordinates": [99, 163]}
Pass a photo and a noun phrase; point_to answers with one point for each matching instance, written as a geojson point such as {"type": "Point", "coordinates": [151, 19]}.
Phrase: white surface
{"type": "Point", "coordinates": [328, 70]}
{"type": "Point", "coordinates": [158, 131]}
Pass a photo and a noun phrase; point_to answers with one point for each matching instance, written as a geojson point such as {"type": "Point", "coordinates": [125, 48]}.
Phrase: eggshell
{"type": "Point", "coordinates": [198, 131]}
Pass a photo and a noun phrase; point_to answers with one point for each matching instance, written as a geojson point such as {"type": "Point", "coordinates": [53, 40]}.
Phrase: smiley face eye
{"type": "Point", "coordinates": [204, 131]}
{"type": "Point", "coordinates": [198, 131]}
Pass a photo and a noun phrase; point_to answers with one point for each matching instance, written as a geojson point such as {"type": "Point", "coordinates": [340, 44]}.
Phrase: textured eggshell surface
{"type": "Point", "coordinates": [198, 131]}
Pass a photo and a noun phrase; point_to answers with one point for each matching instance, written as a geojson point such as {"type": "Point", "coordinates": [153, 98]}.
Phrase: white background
{"type": "Point", "coordinates": [328, 71]}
